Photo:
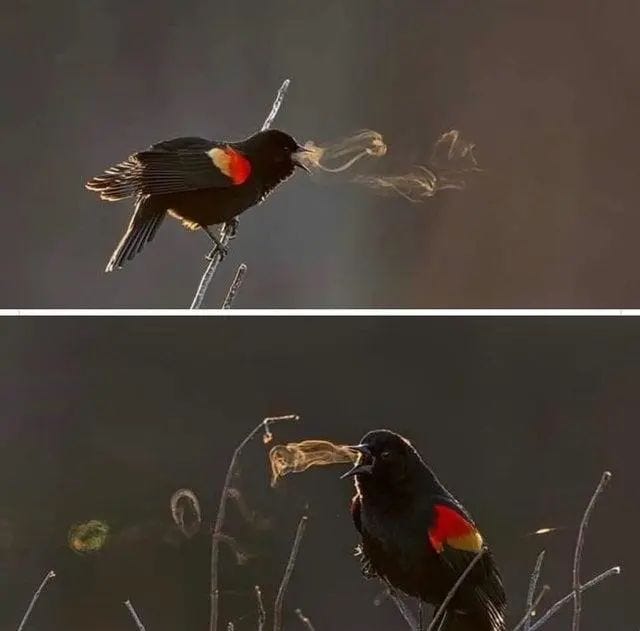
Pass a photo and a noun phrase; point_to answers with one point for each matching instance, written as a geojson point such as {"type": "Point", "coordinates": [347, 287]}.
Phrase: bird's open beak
{"type": "Point", "coordinates": [364, 463]}
{"type": "Point", "coordinates": [298, 157]}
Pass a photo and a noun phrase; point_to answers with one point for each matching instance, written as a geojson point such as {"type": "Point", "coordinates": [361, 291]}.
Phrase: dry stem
{"type": "Point", "coordinates": [222, 511]}
{"type": "Point", "coordinates": [50, 574]}
{"type": "Point", "coordinates": [134, 615]}
{"type": "Point", "coordinates": [277, 608]}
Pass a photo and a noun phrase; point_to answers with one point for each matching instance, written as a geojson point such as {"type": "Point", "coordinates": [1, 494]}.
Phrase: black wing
{"type": "Point", "coordinates": [172, 166]}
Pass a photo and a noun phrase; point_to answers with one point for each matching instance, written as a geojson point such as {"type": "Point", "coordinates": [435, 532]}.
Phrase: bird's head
{"type": "Point", "coordinates": [384, 456]}
{"type": "Point", "coordinates": [275, 151]}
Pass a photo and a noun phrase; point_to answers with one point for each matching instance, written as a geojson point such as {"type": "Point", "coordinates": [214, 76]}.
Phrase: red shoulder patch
{"type": "Point", "coordinates": [239, 166]}
{"type": "Point", "coordinates": [452, 528]}
{"type": "Point", "coordinates": [232, 163]}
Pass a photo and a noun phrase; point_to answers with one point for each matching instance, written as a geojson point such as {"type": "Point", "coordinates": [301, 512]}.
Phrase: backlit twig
{"type": "Point", "coordinates": [525, 621]}
{"type": "Point", "coordinates": [134, 615]}
{"type": "Point", "coordinates": [222, 511]}
{"type": "Point", "coordinates": [569, 597]}
{"type": "Point", "coordinates": [577, 587]}
{"type": "Point", "coordinates": [50, 574]}
{"type": "Point", "coordinates": [305, 621]}
{"type": "Point", "coordinates": [277, 608]}
{"type": "Point", "coordinates": [235, 286]}
{"type": "Point", "coordinates": [533, 583]}
{"type": "Point", "coordinates": [262, 614]}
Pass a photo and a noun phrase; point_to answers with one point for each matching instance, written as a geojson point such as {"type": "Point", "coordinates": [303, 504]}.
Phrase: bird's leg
{"type": "Point", "coordinates": [219, 246]}
{"type": "Point", "coordinates": [233, 227]}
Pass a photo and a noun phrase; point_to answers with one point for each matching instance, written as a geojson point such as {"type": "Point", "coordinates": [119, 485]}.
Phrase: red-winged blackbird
{"type": "Point", "coordinates": [418, 537]}
{"type": "Point", "coordinates": [201, 182]}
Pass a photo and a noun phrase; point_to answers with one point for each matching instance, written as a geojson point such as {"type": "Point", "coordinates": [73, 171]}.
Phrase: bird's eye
{"type": "Point", "coordinates": [385, 455]}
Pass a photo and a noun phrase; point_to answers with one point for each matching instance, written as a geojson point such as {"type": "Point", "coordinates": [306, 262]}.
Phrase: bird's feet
{"type": "Point", "coordinates": [233, 228]}
{"type": "Point", "coordinates": [219, 250]}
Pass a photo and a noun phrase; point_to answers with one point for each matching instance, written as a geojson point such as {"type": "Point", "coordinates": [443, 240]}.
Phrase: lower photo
{"type": "Point", "coordinates": [319, 473]}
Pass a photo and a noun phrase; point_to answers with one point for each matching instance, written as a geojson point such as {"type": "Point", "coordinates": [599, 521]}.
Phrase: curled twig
{"type": "Point", "coordinates": [50, 574]}
{"type": "Point", "coordinates": [134, 615]}
{"type": "Point", "coordinates": [229, 229]}
{"type": "Point", "coordinates": [222, 511]}
{"type": "Point", "coordinates": [277, 608]}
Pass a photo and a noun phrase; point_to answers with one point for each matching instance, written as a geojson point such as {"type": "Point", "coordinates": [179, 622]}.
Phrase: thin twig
{"type": "Point", "coordinates": [531, 607]}
{"type": "Point", "coordinates": [235, 286]}
{"type": "Point", "coordinates": [305, 621]}
{"type": "Point", "coordinates": [533, 584]}
{"type": "Point", "coordinates": [402, 607]}
{"type": "Point", "coordinates": [277, 608]}
{"type": "Point", "coordinates": [577, 587]}
{"type": "Point", "coordinates": [569, 597]}
{"type": "Point", "coordinates": [262, 614]}
{"type": "Point", "coordinates": [222, 511]}
{"type": "Point", "coordinates": [50, 574]}
{"type": "Point", "coordinates": [228, 229]}
{"type": "Point", "coordinates": [453, 590]}
{"type": "Point", "coordinates": [134, 615]}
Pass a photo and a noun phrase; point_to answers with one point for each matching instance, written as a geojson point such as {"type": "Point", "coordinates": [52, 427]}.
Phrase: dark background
{"type": "Point", "coordinates": [547, 89]}
{"type": "Point", "coordinates": [106, 418]}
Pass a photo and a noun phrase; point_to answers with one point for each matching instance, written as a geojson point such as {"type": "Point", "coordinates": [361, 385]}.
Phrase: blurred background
{"type": "Point", "coordinates": [106, 418]}
{"type": "Point", "coordinates": [548, 90]}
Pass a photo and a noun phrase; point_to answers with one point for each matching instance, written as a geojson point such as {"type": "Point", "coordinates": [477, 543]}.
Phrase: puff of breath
{"type": "Point", "coordinates": [228, 230]}
{"type": "Point", "coordinates": [214, 595]}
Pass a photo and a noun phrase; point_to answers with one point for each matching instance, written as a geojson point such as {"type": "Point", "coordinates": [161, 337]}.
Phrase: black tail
{"type": "Point", "coordinates": [486, 618]}
{"type": "Point", "coordinates": [143, 226]}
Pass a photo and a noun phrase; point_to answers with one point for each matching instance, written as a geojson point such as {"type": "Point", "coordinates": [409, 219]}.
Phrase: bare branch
{"type": "Point", "coordinates": [443, 606]}
{"type": "Point", "coordinates": [50, 574]}
{"type": "Point", "coordinates": [262, 614]}
{"type": "Point", "coordinates": [531, 607]}
{"type": "Point", "coordinates": [533, 583]}
{"type": "Point", "coordinates": [305, 621]}
{"type": "Point", "coordinates": [134, 615]}
{"type": "Point", "coordinates": [401, 607]}
{"type": "Point", "coordinates": [235, 286]}
{"type": "Point", "coordinates": [222, 511]}
{"type": "Point", "coordinates": [228, 229]}
{"type": "Point", "coordinates": [569, 597]}
{"type": "Point", "coordinates": [277, 608]}
{"type": "Point", "coordinates": [577, 588]}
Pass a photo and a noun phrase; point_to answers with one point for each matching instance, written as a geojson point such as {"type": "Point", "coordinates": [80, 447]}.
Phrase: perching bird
{"type": "Point", "coordinates": [417, 537]}
{"type": "Point", "coordinates": [201, 182]}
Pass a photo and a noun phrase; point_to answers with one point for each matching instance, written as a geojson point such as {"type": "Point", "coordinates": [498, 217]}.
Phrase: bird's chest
{"type": "Point", "coordinates": [396, 542]}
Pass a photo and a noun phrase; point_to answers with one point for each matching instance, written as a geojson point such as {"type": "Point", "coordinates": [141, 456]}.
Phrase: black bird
{"type": "Point", "coordinates": [417, 537]}
{"type": "Point", "coordinates": [201, 182]}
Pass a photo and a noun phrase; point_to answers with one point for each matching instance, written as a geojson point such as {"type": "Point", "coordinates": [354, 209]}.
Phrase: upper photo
{"type": "Point", "coordinates": [423, 154]}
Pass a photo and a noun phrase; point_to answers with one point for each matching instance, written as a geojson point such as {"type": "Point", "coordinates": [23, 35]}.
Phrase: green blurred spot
{"type": "Point", "coordinates": [88, 537]}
